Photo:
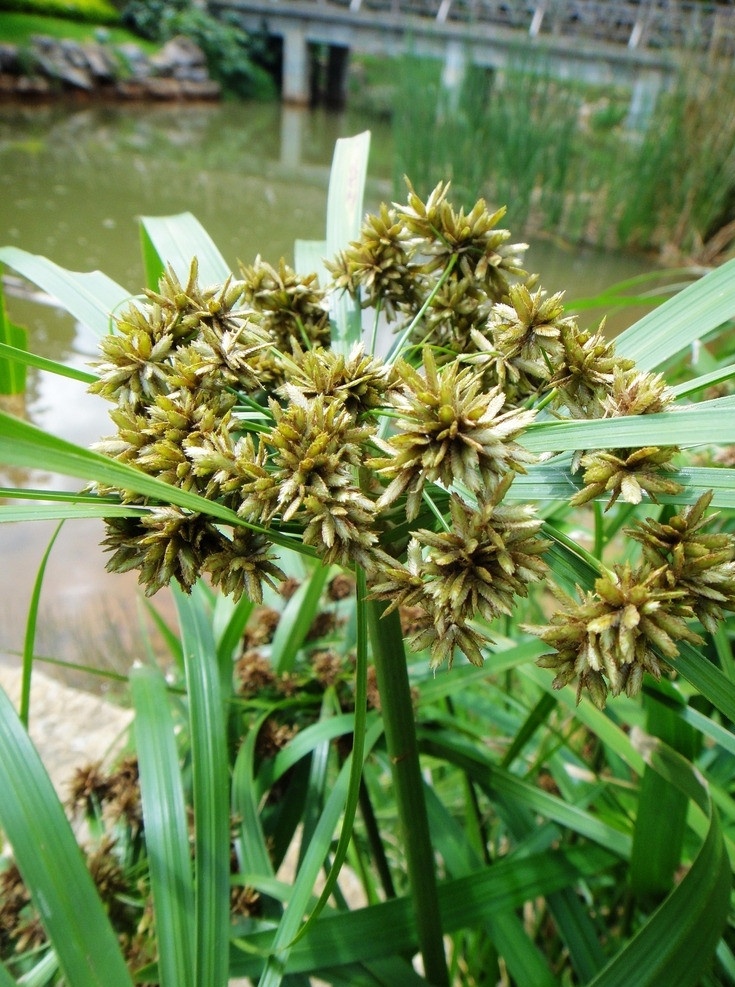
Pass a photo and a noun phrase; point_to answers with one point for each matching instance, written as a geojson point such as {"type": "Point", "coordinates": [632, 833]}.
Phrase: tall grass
{"type": "Point", "coordinates": [563, 158]}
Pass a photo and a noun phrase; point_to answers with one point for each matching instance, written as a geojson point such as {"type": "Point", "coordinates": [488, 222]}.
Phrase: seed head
{"type": "Point", "coordinates": [698, 564]}
{"type": "Point", "coordinates": [608, 639]}
{"type": "Point", "coordinates": [378, 265]}
{"type": "Point", "coordinates": [437, 232]}
{"type": "Point", "coordinates": [448, 429]}
{"type": "Point", "coordinates": [627, 473]}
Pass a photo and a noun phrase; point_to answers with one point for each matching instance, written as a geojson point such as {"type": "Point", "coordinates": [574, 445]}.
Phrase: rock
{"type": "Point", "coordinates": [178, 58]}
{"type": "Point", "coordinates": [99, 62]}
{"type": "Point", "coordinates": [134, 60]}
{"type": "Point", "coordinates": [206, 89]}
{"type": "Point", "coordinates": [57, 60]}
{"type": "Point", "coordinates": [10, 60]}
{"type": "Point", "coordinates": [177, 71]}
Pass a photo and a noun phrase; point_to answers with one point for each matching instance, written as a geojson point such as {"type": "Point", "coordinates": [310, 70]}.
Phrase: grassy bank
{"type": "Point", "coordinates": [18, 29]}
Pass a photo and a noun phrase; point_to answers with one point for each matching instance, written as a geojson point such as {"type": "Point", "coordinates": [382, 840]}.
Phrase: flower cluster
{"type": "Point", "coordinates": [401, 465]}
{"type": "Point", "coordinates": [607, 639]}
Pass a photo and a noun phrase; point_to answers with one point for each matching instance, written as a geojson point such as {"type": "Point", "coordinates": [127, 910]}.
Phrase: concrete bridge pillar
{"type": "Point", "coordinates": [335, 84]}
{"type": "Point", "coordinates": [647, 87]}
{"type": "Point", "coordinates": [296, 88]}
{"type": "Point", "coordinates": [454, 73]}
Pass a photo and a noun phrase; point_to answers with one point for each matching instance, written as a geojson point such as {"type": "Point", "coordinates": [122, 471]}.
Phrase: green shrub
{"type": "Point", "coordinates": [236, 60]}
{"type": "Point", "coordinates": [91, 11]}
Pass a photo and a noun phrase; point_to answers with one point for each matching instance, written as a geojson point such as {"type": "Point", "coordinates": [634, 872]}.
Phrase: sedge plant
{"type": "Point", "coordinates": [452, 607]}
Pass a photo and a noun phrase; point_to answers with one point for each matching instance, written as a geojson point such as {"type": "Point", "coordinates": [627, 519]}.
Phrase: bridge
{"type": "Point", "coordinates": [603, 42]}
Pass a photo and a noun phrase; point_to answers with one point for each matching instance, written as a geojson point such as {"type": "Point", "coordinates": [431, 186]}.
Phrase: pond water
{"type": "Point", "coordinates": [73, 179]}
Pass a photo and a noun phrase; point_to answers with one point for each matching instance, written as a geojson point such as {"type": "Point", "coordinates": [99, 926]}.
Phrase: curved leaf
{"type": "Point", "coordinates": [52, 864]}
{"type": "Point", "coordinates": [90, 297]}
{"type": "Point", "coordinates": [166, 831]}
{"type": "Point", "coordinates": [677, 943]}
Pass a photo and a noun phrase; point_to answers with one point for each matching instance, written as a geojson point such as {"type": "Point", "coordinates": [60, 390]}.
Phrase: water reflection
{"type": "Point", "coordinates": [72, 182]}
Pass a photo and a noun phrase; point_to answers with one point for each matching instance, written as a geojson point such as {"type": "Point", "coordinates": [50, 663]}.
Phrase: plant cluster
{"type": "Point", "coordinates": [401, 466]}
{"type": "Point", "coordinates": [562, 154]}
{"type": "Point", "coordinates": [241, 62]}
{"type": "Point", "coordinates": [344, 502]}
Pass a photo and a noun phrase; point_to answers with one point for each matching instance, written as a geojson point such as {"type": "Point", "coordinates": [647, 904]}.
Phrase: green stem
{"type": "Point", "coordinates": [400, 736]}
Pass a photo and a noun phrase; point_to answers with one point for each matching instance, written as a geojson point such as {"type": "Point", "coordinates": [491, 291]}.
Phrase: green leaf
{"type": "Point", "coordinates": [706, 679]}
{"type": "Point", "coordinates": [166, 831]}
{"type": "Point", "coordinates": [497, 782]}
{"type": "Point", "coordinates": [654, 861]}
{"type": "Point", "coordinates": [505, 930]}
{"type": "Point", "coordinates": [210, 793]}
{"type": "Point", "coordinates": [388, 929]}
{"type": "Point", "coordinates": [91, 298]}
{"type": "Point", "coordinates": [296, 619]}
{"type": "Point", "coordinates": [52, 864]}
{"type": "Point", "coordinates": [675, 946]}
{"type": "Point", "coordinates": [316, 852]}
{"type": "Point", "coordinates": [251, 842]}
{"type": "Point", "coordinates": [13, 355]}
{"type": "Point", "coordinates": [690, 427]}
{"type": "Point", "coordinates": [344, 220]}
{"type": "Point", "coordinates": [175, 241]}
{"type": "Point", "coordinates": [22, 444]}
{"type": "Point", "coordinates": [358, 745]}
{"type": "Point", "coordinates": [14, 338]}
{"type": "Point", "coordinates": [688, 316]}
{"type": "Point", "coordinates": [29, 639]}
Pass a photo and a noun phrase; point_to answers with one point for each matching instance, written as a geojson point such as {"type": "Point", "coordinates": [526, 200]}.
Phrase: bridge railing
{"type": "Point", "coordinates": [632, 23]}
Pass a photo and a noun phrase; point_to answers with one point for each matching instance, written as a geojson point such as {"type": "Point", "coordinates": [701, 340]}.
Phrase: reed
{"type": "Point", "coordinates": [563, 158]}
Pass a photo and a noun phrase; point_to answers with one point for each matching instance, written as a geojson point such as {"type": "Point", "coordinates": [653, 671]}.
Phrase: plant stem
{"type": "Point", "coordinates": [400, 736]}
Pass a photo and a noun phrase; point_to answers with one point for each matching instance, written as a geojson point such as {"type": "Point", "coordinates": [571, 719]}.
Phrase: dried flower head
{"type": "Point", "coordinates": [608, 639]}
{"type": "Point", "coordinates": [361, 383]}
{"type": "Point", "coordinates": [448, 429]}
{"type": "Point", "coordinates": [482, 250]}
{"type": "Point", "coordinates": [627, 473]}
{"type": "Point", "coordinates": [489, 555]}
{"type": "Point", "coordinates": [244, 564]}
{"type": "Point", "coordinates": [636, 392]}
{"type": "Point", "coordinates": [288, 306]}
{"type": "Point", "coordinates": [378, 265]}
{"type": "Point", "coordinates": [700, 565]}
{"type": "Point", "coordinates": [139, 358]}
{"type": "Point", "coordinates": [165, 544]}
{"type": "Point", "coordinates": [253, 673]}
{"type": "Point", "coordinates": [586, 373]}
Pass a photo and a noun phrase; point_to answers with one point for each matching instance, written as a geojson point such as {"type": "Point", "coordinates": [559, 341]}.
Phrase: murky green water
{"type": "Point", "coordinates": [72, 182]}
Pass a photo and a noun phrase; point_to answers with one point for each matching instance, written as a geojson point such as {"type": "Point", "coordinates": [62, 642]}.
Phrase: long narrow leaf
{"type": "Point", "coordinates": [358, 745]}
{"type": "Point", "coordinates": [691, 427]}
{"type": "Point", "coordinates": [389, 929]}
{"type": "Point", "coordinates": [29, 638]}
{"type": "Point", "coordinates": [344, 218]}
{"type": "Point", "coordinates": [52, 864]}
{"type": "Point", "coordinates": [296, 619]}
{"type": "Point", "coordinates": [15, 338]}
{"type": "Point", "coordinates": [688, 316]}
{"type": "Point", "coordinates": [92, 298]}
{"type": "Point", "coordinates": [676, 945]}
{"type": "Point", "coordinates": [176, 241]}
{"type": "Point", "coordinates": [210, 794]}
{"type": "Point", "coordinates": [317, 850]}
{"type": "Point", "coordinates": [166, 831]}
{"type": "Point", "coordinates": [22, 357]}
